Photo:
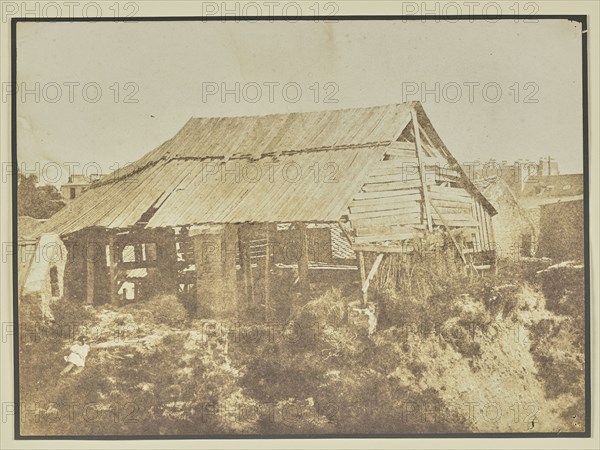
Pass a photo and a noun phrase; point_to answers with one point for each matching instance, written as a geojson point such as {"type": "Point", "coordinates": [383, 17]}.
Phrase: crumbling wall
{"type": "Point", "coordinates": [49, 257]}
{"type": "Point", "coordinates": [514, 232]}
{"type": "Point", "coordinates": [44, 278]}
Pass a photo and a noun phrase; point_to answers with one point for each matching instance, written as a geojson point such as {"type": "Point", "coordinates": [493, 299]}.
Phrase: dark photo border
{"type": "Point", "coordinates": [14, 114]}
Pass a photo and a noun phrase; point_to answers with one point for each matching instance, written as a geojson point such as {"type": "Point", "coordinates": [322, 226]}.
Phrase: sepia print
{"type": "Point", "coordinates": [235, 228]}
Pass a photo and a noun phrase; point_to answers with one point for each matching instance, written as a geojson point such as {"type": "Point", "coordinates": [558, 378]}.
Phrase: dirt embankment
{"type": "Point", "coordinates": [503, 354]}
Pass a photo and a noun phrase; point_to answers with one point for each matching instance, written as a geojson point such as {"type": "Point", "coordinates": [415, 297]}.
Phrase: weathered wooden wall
{"type": "Point", "coordinates": [215, 250]}
{"type": "Point", "coordinates": [94, 268]}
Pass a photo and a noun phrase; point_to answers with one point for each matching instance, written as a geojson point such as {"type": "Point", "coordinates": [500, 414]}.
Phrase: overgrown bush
{"type": "Point", "coordinates": [310, 374]}
{"type": "Point", "coordinates": [166, 309]}
{"type": "Point", "coordinates": [564, 289]}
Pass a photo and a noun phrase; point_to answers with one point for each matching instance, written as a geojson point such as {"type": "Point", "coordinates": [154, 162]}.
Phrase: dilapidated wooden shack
{"type": "Point", "coordinates": [212, 212]}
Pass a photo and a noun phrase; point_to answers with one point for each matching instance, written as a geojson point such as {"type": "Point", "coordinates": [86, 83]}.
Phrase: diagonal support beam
{"type": "Point", "coordinates": [458, 247]}
{"type": "Point", "coordinates": [372, 273]}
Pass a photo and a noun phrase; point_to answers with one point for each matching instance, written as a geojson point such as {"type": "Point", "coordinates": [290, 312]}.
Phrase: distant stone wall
{"type": "Point", "coordinates": [562, 231]}
{"type": "Point", "coordinates": [514, 233]}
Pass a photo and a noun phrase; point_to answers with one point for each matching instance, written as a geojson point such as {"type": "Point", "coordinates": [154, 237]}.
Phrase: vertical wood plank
{"type": "Point", "coordinates": [372, 272]}
{"type": "Point", "coordinates": [480, 225]}
{"type": "Point", "coordinates": [484, 227]}
{"type": "Point", "coordinates": [490, 226]}
{"type": "Point", "coordinates": [245, 264]}
{"type": "Point", "coordinates": [303, 260]}
{"type": "Point", "coordinates": [112, 271]}
{"type": "Point", "coordinates": [363, 275]}
{"type": "Point", "coordinates": [90, 282]}
{"type": "Point", "coordinates": [229, 250]}
{"type": "Point", "coordinates": [419, 147]}
{"type": "Point", "coordinates": [267, 274]}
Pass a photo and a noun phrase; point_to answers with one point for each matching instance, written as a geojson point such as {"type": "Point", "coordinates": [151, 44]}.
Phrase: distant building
{"type": "Point", "coordinates": [524, 193]}
{"type": "Point", "coordinates": [555, 202]}
{"type": "Point", "coordinates": [547, 166]}
{"type": "Point", "coordinates": [551, 188]}
{"type": "Point", "coordinates": [76, 185]}
{"type": "Point", "coordinates": [515, 174]}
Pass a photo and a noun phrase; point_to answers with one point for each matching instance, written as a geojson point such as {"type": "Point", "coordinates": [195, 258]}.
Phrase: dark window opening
{"type": "Point", "coordinates": [149, 251]}
{"type": "Point", "coordinates": [72, 193]}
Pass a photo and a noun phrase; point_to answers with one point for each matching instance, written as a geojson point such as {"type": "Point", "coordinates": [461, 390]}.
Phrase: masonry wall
{"type": "Point", "coordinates": [562, 231]}
{"type": "Point", "coordinates": [514, 233]}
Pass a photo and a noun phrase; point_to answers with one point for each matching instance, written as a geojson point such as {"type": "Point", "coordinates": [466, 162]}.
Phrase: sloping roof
{"type": "Point", "coordinates": [255, 136]}
{"type": "Point", "coordinates": [278, 168]}
{"type": "Point", "coordinates": [298, 154]}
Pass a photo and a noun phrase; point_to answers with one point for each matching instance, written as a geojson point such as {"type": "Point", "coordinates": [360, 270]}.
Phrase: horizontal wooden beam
{"type": "Point", "coordinates": [405, 205]}
{"type": "Point", "coordinates": [404, 216]}
{"type": "Point", "coordinates": [402, 145]}
{"type": "Point", "coordinates": [379, 248]}
{"type": "Point", "coordinates": [384, 194]}
{"type": "Point", "coordinates": [408, 161]}
{"type": "Point", "coordinates": [386, 237]}
{"type": "Point", "coordinates": [402, 196]}
{"type": "Point", "coordinates": [397, 219]}
{"type": "Point", "coordinates": [452, 203]}
{"type": "Point", "coordinates": [388, 229]}
{"type": "Point", "coordinates": [457, 223]}
{"type": "Point", "coordinates": [402, 176]}
{"type": "Point", "coordinates": [398, 185]}
{"type": "Point", "coordinates": [454, 216]}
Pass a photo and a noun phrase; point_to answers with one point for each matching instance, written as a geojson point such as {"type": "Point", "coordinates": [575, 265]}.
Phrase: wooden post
{"type": "Point", "coordinates": [166, 253]}
{"type": "Point", "coordinates": [113, 259]}
{"type": "Point", "coordinates": [303, 261]}
{"type": "Point", "coordinates": [419, 147]}
{"type": "Point", "coordinates": [66, 289]}
{"type": "Point", "coordinates": [372, 273]}
{"type": "Point", "coordinates": [267, 287]}
{"type": "Point", "coordinates": [137, 251]}
{"type": "Point", "coordinates": [245, 263]}
{"type": "Point", "coordinates": [363, 275]}
{"type": "Point", "coordinates": [229, 250]}
{"type": "Point", "coordinates": [248, 269]}
{"type": "Point", "coordinates": [89, 257]}
{"type": "Point", "coordinates": [480, 225]}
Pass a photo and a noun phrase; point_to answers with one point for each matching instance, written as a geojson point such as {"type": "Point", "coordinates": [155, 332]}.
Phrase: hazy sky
{"type": "Point", "coordinates": [171, 67]}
